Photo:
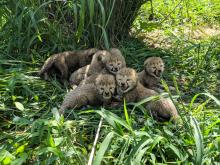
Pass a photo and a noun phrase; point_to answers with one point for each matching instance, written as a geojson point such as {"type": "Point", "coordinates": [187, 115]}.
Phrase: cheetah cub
{"type": "Point", "coordinates": [99, 93]}
{"type": "Point", "coordinates": [103, 62]}
{"type": "Point", "coordinates": [66, 62]}
{"type": "Point", "coordinates": [151, 75]}
{"type": "Point", "coordinates": [132, 90]}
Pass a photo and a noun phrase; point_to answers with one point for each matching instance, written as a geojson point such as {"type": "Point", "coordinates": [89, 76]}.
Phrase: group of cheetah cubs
{"type": "Point", "coordinates": [102, 78]}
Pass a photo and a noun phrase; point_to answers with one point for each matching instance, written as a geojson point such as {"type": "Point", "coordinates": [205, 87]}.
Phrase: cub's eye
{"type": "Point", "coordinates": [119, 63]}
{"type": "Point", "coordinates": [102, 88]}
{"type": "Point", "coordinates": [110, 64]}
{"type": "Point", "coordinates": [161, 65]}
{"type": "Point", "coordinates": [154, 67]}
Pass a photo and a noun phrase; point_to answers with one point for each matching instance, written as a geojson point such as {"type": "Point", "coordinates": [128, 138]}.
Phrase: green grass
{"type": "Point", "coordinates": [33, 132]}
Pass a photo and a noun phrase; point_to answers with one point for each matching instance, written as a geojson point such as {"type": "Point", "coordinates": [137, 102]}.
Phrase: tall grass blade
{"type": "Point", "coordinates": [81, 19]}
{"type": "Point", "coordinates": [207, 94]}
{"type": "Point", "coordinates": [91, 10]}
{"type": "Point", "coordinates": [103, 147]}
{"type": "Point", "coordinates": [126, 113]}
{"type": "Point", "coordinates": [124, 149]}
{"type": "Point", "coordinates": [198, 140]}
{"type": "Point", "coordinates": [110, 13]}
{"type": "Point", "coordinates": [151, 98]}
{"type": "Point", "coordinates": [139, 150]}
{"type": "Point", "coordinates": [95, 142]}
{"type": "Point", "coordinates": [114, 120]}
{"type": "Point", "coordinates": [75, 12]}
{"type": "Point", "coordinates": [106, 42]}
{"type": "Point", "coordinates": [156, 141]}
{"type": "Point", "coordinates": [102, 13]}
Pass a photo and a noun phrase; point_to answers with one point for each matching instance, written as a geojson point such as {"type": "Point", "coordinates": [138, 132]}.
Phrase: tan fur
{"type": "Point", "coordinates": [153, 69]}
{"type": "Point", "coordinates": [103, 62]}
{"type": "Point", "coordinates": [132, 90]}
{"type": "Point", "coordinates": [67, 62]}
{"type": "Point", "coordinates": [79, 75]}
{"type": "Point", "coordinates": [99, 93]}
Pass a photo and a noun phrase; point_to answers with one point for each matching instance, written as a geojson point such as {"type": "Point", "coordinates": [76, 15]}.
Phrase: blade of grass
{"type": "Point", "coordinates": [81, 20]}
{"type": "Point", "coordinates": [91, 10]}
{"type": "Point", "coordinates": [94, 144]}
{"type": "Point", "coordinates": [207, 94]}
{"type": "Point", "coordinates": [102, 13]}
{"type": "Point", "coordinates": [103, 147]}
{"type": "Point", "coordinates": [198, 140]}
{"type": "Point", "coordinates": [126, 114]}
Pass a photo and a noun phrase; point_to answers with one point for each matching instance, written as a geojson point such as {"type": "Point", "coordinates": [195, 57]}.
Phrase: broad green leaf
{"type": "Point", "coordinates": [21, 148]}
{"type": "Point", "coordinates": [21, 121]}
{"type": "Point", "coordinates": [50, 149]}
{"type": "Point", "coordinates": [21, 160]}
{"type": "Point", "coordinates": [58, 141]}
{"type": "Point", "coordinates": [4, 154]}
{"type": "Point", "coordinates": [56, 114]}
{"type": "Point", "coordinates": [175, 151]}
{"type": "Point", "coordinates": [7, 160]}
{"type": "Point", "coordinates": [51, 141]}
{"type": "Point", "coordinates": [209, 128]}
{"type": "Point", "coordinates": [19, 106]}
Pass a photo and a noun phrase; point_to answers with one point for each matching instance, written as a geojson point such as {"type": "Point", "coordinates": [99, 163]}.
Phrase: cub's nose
{"type": "Point", "coordinates": [114, 69]}
{"type": "Point", "coordinates": [159, 71]}
{"type": "Point", "coordinates": [106, 93]}
{"type": "Point", "coordinates": [123, 84]}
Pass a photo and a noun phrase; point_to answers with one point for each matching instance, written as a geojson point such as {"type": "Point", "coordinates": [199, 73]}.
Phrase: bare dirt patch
{"type": "Point", "coordinates": [160, 39]}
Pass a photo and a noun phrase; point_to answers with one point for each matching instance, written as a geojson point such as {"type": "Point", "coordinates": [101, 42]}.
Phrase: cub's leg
{"type": "Point", "coordinates": [163, 110]}
{"type": "Point", "coordinates": [63, 68]}
{"type": "Point", "coordinates": [72, 100]}
{"type": "Point", "coordinates": [79, 75]}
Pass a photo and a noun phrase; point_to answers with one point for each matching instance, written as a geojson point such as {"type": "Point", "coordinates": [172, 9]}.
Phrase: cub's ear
{"type": "Point", "coordinates": [92, 51]}
{"type": "Point", "coordinates": [103, 56]}
{"type": "Point", "coordinates": [98, 79]}
{"type": "Point", "coordinates": [99, 57]}
{"type": "Point", "coordinates": [115, 51]}
{"type": "Point", "coordinates": [146, 62]}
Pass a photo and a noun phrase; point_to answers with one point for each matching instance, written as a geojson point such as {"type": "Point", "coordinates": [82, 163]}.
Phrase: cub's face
{"type": "Point", "coordinates": [115, 62]}
{"type": "Point", "coordinates": [114, 65]}
{"type": "Point", "coordinates": [126, 80]}
{"type": "Point", "coordinates": [105, 85]}
{"type": "Point", "coordinates": [154, 66]}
